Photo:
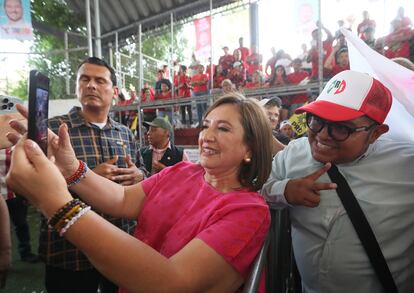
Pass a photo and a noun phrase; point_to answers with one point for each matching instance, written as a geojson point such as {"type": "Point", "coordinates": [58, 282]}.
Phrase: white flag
{"type": "Point", "coordinates": [397, 78]}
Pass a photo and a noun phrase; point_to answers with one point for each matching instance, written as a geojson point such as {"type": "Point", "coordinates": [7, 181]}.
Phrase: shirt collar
{"type": "Point", "coordinates": [77, 120]}
{"type": "Point", "coordinates": [159, 150]}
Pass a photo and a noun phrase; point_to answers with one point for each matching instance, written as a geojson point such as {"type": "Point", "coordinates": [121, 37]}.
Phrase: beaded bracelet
{"type": "Point", "coordinates": [79, 174]}
{"type": "Point", "coordinates": [72, 221]}
{"type": "Point", "coordinates": [67, 217]}
{"type": "Point", "coordinates": [62, 211]}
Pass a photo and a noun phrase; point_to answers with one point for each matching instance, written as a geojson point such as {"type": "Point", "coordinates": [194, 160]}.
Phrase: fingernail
{"type": "Point", "coordinates": [31, 144]}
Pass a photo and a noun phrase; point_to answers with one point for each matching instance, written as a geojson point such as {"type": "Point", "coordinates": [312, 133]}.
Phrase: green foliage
{"type": "Point", "coordinates": [21, 88]}
{"type": "Point", "coordinates": [56, 13]}
{"type": "Point", "coordinates": [159, 47]}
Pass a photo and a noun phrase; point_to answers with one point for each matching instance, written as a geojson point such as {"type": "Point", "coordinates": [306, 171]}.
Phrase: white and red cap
{"type": "Point", "coordinates": [349, 95]}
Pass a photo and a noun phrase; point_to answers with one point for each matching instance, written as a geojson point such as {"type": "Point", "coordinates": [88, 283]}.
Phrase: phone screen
{"type": "Point", "coordinates": [38, 109]}
{"type": "Point", "coordinates": [42, 109]}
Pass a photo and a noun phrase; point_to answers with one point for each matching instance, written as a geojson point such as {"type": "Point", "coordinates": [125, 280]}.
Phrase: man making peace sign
{"type": "Point", "coordinates": [345, 125]}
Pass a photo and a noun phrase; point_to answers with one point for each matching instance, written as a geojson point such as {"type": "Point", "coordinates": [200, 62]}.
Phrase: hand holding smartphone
{"type": "Point", "coordinates": [8, 112]}
{"type": "Point", "coordinates": [38, 108]}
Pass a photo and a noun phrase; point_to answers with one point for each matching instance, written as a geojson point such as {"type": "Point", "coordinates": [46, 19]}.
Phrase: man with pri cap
{"type": "Point", "coordinates": [161, 152]}
{"type": "Point", "coordinates": [346, 124]}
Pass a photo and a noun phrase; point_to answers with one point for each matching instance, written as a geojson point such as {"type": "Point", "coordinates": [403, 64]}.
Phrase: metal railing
{"type": "Point", "coordinates": [275, 259]}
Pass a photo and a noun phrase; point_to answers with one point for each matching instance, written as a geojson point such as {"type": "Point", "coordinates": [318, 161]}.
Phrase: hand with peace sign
{"type": "Point", "coordinates": [305, 190]}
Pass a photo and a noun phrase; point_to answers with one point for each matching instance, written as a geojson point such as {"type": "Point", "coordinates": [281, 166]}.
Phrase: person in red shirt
{"type": "Point", "coordinates": [182, 83]}
{"type": "Point", "coordinates": [295, 78]}
{"type": "Point", "coordinates": [253, 63]}
{"type": "Point", "coordinates": [257, 81]}
{"type": "Point", "coordinates": [279, 78]}
{"type": "Point", "coordinates": [313, 56]}
{"type": "Point", "coordinates": [340, 54]}
{"type": "Point", "coordinates": [243, 50]}
{"type": "Point", "coordinates": [365, 24]}
{"type": "Point", "coordinates": [219, 76]}
{"type": "Point", "coordinates": [226, 61]}
{"type": "Point", "coordinates": [238, 74]}
{"type": "Point", "coordinates": [165, 94]}
{"type": "Point", "coordinates": [199, 83]}
{"type": "Point", "coordinates": [397, 43]}
{"type": "Point", "coordinates": [147, 96]}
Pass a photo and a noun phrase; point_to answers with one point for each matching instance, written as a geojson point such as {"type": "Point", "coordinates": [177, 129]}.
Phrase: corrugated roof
{"type": "Point", "coordinates": [125, 15]}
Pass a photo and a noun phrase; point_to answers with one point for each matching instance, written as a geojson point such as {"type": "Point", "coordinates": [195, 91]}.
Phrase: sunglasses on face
{"type": "Point", "coordinates": [337, 131]}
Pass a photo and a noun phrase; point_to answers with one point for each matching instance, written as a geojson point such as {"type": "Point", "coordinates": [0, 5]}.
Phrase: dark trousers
{"type": "Point", "coordinates": [65, 281]}
{"type": "Point", "coordinates": [183, 114]}
{"type": "Point", "coordinates": [18, 215]}
{"type": "Point", "coordinates": [201, 109]}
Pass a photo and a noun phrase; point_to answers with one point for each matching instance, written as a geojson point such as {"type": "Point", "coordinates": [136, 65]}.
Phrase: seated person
{"type": "Point", "coordinates": [161, 152]}
{"type": "Point", "coordinates": [200, 225]}
{"type": "Point", "coordinates": [165, 94]}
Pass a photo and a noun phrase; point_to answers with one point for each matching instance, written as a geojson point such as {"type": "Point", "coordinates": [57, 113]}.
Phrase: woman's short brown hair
{"type": "Point", "coordinates": [257, 136]}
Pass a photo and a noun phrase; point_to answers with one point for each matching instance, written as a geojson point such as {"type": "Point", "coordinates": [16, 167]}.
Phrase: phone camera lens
{"type": "Point", "coordinates": [5, 100]}
{"type": "Point", "coordinates": [10, 105]}
{"type": "Point", "coordinates": [3, 107]}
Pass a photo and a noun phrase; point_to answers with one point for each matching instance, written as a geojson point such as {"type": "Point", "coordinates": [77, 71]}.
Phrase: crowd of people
{"type": "Point", "coordinates": [123, 219]}
{"type": "Point", "coordinates": [244, 69]}
{"type": "Point", "coordinates": [108, 223]}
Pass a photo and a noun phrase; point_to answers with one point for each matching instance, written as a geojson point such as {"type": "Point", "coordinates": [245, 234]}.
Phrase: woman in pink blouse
{"type": "Point", "coordinates": [200, 226]}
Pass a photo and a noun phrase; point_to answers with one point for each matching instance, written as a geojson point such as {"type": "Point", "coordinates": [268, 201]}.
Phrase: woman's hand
{"type": "Point", "coordinates": [59, 150]}
{"type": "Point", "coordinates": [32, 175]}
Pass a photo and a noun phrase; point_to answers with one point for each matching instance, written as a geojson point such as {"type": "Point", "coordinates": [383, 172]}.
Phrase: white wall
{"type": "Point", "coordinates": [60, 107]}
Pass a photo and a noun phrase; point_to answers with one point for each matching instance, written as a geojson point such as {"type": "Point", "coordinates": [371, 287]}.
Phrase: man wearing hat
{"type": "Point", "coordinates": [161, 152]}
{"type": "Point", "coordinates": [272, 107]}
{"type": "Point", "coordinates": [346, 124]}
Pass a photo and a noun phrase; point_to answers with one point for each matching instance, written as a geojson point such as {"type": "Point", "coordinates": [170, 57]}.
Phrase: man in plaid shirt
{"type": "Point", "coordinates": [109, 150]}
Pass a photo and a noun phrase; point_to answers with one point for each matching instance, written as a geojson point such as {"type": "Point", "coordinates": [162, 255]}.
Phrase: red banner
{"type": "Point", "coordinates": [203, 37]}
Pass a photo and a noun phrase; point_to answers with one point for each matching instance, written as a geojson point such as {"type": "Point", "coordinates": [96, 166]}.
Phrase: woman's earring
{"type": "Point", "coordinates": [247, 160]}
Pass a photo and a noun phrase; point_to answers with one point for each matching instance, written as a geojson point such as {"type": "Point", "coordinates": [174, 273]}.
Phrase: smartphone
{"type": "Point", "coordinates": [8, 111]}
{"type": "Point", "coordinates": [38, 108]}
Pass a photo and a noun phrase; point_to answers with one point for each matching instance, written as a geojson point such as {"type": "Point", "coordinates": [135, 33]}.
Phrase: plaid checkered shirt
{"type": "Point", "coordinates": [94, 146]}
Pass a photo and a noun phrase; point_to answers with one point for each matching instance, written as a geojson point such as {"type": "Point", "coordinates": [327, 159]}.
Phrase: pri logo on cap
{"type": "Point", "coordinates": [339, 85]}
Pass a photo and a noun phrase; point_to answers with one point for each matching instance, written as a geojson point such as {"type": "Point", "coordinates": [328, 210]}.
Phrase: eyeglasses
{"type": "Point", "coordinates": [337, 131]}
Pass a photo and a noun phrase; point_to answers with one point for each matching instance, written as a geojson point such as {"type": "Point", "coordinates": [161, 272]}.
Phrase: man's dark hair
{"type": "Point", "coordinates": [100, 62]}
{"type": "Point", "coordinates": [273, 101]}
